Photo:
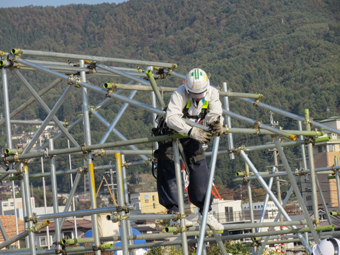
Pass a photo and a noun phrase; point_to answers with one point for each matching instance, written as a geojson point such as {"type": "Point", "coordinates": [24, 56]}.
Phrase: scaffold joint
{"type": "Point", "coordinates": [97, 248]}
{"type": "Point", "coordinates": [60, 251]}
{"type": "Point", "coordinates": [123, 209]}
{"type": "Point", "coordinates": [316, 222]}
{"type": "Point", "coordinates": [257, 127]}
{"type": "Point", "coordinates": [180, 230]}
{"type": "Point", "coordinates": [83, 148]}
{"type": "Point", "coordinates": [46, 155]}
{"type": "Point", "coordinates": [226, 129]}
{"type": "Point", "coordinates": [257, 100]}
{"type": "Point", "coordinates": [237, 150]}
{"type": "Point", "coordinates": [97, 154]}
{"type": "Point", "coordinates": [310, 140]}
{"type": "Point", "coordinates": [72, 79]}
{"type": "Point", "coordinates": [31, 218]}
{"type": "Point", "coordinates": [125, 164]}
{"type": "Point", "coordinates": [334, 169]}
{"type": "Point", "coordinates": [82, 170]}
{"type": "Point", "coordinates": [147, 161]}
{"type": "Point", "coordinates": [179, 216]}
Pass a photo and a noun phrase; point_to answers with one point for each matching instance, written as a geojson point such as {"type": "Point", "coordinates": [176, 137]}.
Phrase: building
{"type": "Point", "coordinates": [83, 225]}
{"type": "Point", "coordinates": [8, 221]}
{"type": "Point", "coordinates": [324, 154]}
{"type": "Point", "coordinates": [227, 210]}
{"type": "Point", "coordinates": [8, 204]}
{"type": "Point", "coordinates": [271, 210]}
{"type": "Point", "coordinates": [147, 202]}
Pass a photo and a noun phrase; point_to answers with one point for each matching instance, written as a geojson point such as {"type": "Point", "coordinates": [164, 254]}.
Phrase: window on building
{"type": "Point", "coordinates": [68, 234]}
{"type": "Point", "coordinates": [43, 241]}
{"type": "Point", "coordinates": [146, 200]}
{"type": "Point", "coordinates": [5, 204]}
{"type": "Point", "coordinates": [154, 205]}
{"type": "Point", "coordinates": [319, 149]}
{"type": "Point", "coordinates": [229, 214]}
{"type": "Point", "coordinates": [153, 198]}
{"type": "Point", "coordinates": [12, 204]}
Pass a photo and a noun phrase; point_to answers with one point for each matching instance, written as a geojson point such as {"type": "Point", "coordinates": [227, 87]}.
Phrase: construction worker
{"type": "Point", "coordinates": [329, 246]}
{"type": "Point", "coordinates": [196, 100]}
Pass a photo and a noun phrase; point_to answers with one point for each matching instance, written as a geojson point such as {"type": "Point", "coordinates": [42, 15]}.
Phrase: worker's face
{"type": "Point", "coordinates": [197, 96]}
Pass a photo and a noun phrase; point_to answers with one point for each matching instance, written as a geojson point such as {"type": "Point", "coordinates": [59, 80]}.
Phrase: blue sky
{"type": "Point", "coordinates": [21, 3]}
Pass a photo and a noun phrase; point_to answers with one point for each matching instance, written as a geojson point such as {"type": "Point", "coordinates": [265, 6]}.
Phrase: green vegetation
{"type": "Point", "coordinates": [286, 50]}
{"type": "Point", "coordinates": [231, 247]}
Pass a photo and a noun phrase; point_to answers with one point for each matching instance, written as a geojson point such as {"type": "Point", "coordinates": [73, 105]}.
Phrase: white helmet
{"type": "Point", "coordinates": [329, 246]}
{"type": "Point", "coordinates": [197, 82]}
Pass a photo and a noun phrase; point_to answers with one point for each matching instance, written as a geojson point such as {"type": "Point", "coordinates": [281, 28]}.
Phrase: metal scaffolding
{"type": "Point", "coordinates": [16, 162]}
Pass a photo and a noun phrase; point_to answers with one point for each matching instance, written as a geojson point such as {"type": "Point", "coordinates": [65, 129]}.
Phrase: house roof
{"type": "Point", "coordinates": [8, 221]}
{"type": "Point", "coordinates": [69, 224]}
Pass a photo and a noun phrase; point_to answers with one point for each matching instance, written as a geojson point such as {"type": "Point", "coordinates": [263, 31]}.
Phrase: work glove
{"type": "Point", "coordinates": [200, 135]}
{"type": "Point", "coordinates": [216, 126]}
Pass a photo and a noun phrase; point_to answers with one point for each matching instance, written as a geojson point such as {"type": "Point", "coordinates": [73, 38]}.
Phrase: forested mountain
{"type": "Point", "coordinates": [286, 50]}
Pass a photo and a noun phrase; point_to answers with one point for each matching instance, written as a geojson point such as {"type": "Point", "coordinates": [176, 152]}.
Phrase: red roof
{"type": "Point", "coordinates": [69, 224]}
{"type": "Point", "coordinates": [8, 221]}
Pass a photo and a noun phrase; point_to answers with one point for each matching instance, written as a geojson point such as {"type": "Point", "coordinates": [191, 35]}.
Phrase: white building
{"type": "Point", "coordinates": [8, 204]}
{"type": "Point", "coordinates": [271, 209]}
{"type": "Point", "coordinates": [227, 210]}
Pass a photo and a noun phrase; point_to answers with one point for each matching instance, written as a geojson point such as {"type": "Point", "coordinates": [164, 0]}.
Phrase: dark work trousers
{"type": "Point", "coordinates": [166, 177]}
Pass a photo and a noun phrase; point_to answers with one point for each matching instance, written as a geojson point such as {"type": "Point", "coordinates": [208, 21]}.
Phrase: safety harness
{"type": "Point", "coordinates": [200, 116]}
{"type": "Point", "coordinates": [163, 129]}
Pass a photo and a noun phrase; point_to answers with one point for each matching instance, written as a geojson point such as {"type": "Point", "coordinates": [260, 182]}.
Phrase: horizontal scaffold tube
{"type": "Point", "coordinates": [130, 142]}
{"type": "Point", "coordinates": [322, 170]}
{"type": "Point", "coordinates": [71, 70]}
{"type": "Point", "coordinates": [211, 239]}
{"type": "Point", "coordinates": [89, 249]}
{"type": "Point", "coordinates": [291, 115]}
{"type": "Point", "coordinates": [95, 58]}
{"type": "Point", "coordinates": [169, 89]}
{"type": "Point", "coordinates": [77, 213]}
{"type": "Point", "coordinates": [94, 147]}
{"type": "Point", "coordinates": [77, 170]}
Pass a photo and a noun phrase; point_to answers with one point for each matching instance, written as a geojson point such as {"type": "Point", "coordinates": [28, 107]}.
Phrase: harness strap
{"type": "Point", "coordinates": [201, 115]}
{"type": "Point", "coordinates": [197, 158]}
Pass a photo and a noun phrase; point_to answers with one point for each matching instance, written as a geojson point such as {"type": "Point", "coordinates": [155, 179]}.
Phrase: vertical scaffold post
{"type": "Point", "coordinates": [126, 199]}
{"type": "Point", "coordinates": [304, 163]}
{"type": "Point", "coordinates": [312, 172]}
{"type": "Point", "coordinates": [208, 194]}
{"type": "Point", "coordinates": [175, 145]}
{"type": "Point", "coordinates": [121, 202]}
{"type": "Point", "coordinates": [71, 184]}
{"type": "Point", "coordinates": [154, 115]}
{"type": "Point", "coordinates": [8, 128]}
{"type": "Point", "coordinates": [27, 194]}
{"type": "Point", "coordinates": [87, 139]}
{"type": "Point", "coordinates": [228, 121]}
{"type": "Point", "coordinates": [336, 163]}
{"type": "Point", "coordinates": [24, 209]}
{"type": "Point", "coordinates": [250, 199]}
{"type": "Point", "coordinates": [54, 188]}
